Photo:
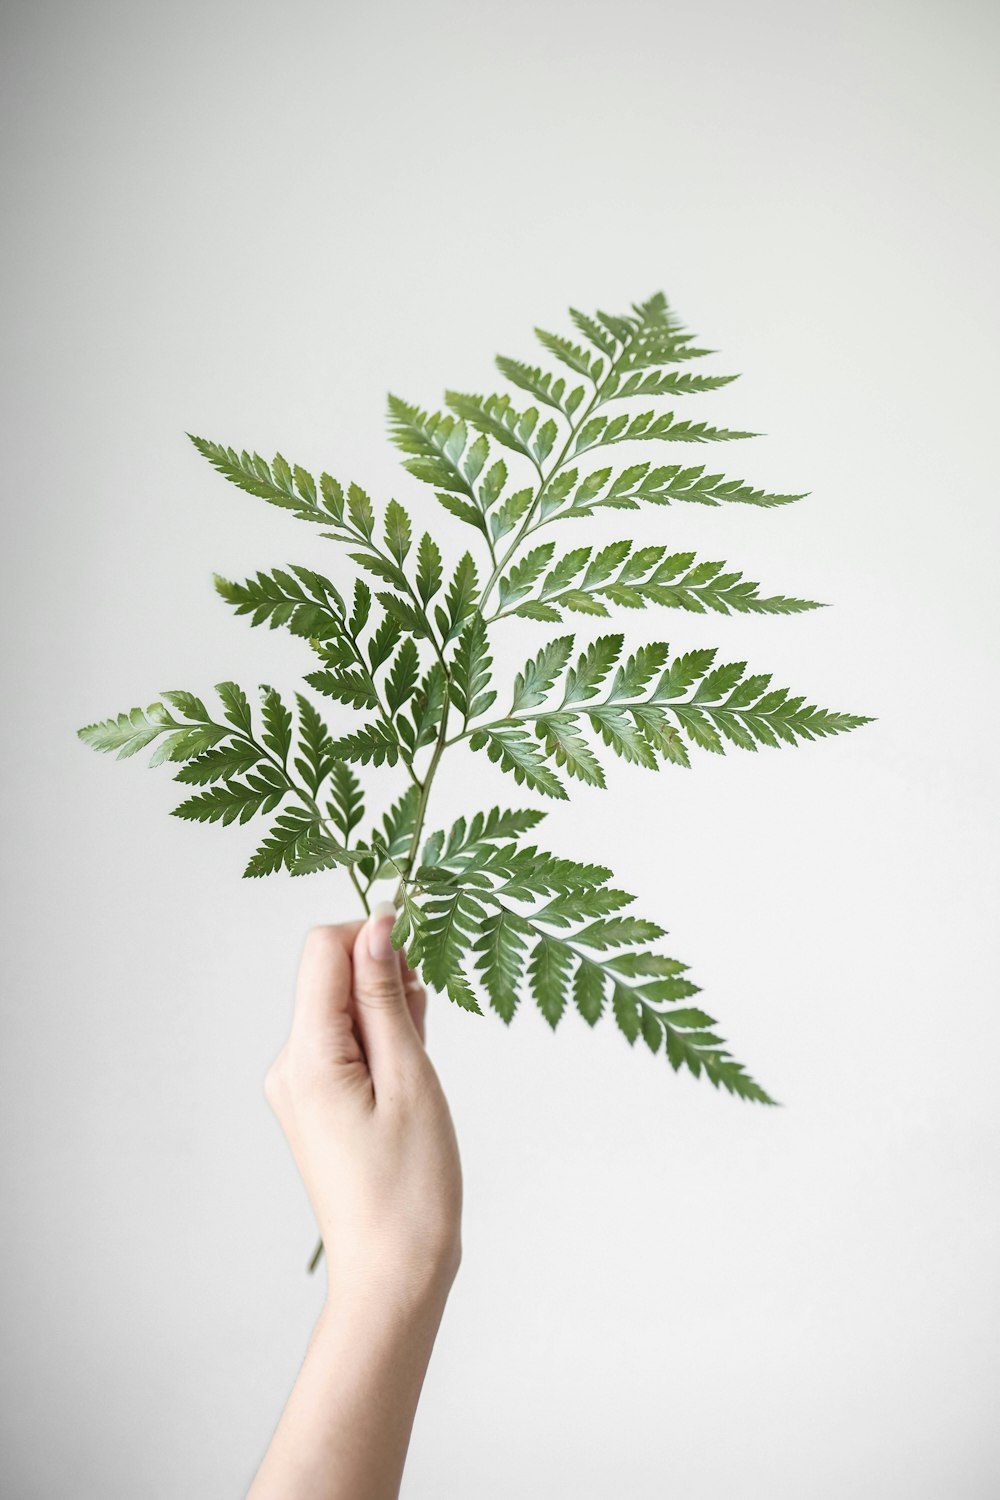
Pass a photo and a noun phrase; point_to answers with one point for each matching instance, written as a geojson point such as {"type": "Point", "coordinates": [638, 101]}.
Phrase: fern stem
{"type": "Point", "coordinates": [363, 897]}
{"type": "Point", "coordinates": [425, 790]}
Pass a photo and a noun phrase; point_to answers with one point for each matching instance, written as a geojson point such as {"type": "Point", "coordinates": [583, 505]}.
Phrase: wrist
{"type": "Point", "coordinates": [387, 1315]}
{"type": "Point", "coordinates": [391, 1286]}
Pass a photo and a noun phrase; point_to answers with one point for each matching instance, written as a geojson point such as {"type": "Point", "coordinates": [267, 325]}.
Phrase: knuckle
{"type": "Point", "coordinates": [380, 992]}
{"type": "Point", "coordinates": [324, 940]}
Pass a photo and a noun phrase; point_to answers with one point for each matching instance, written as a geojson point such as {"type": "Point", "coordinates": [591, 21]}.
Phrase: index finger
{"type": "Point", "coordinates": [323, 986]}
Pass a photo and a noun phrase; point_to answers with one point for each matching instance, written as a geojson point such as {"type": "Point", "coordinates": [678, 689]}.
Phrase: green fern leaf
{"type": "Point", "coordinates": [584, 680]}
{"type": "Point", "coordinates": [588, 990]}
{"type": "Point", "coordinates": [278, 851]}
{"type": "Point", "coordinates": [346, 804]}
{"type": "Point", "coordinates": [513, 751]}
{"type": "Point", "coordinates": [549, 969]}
{"type": "Point", "coordinates": [499, 955]}
{"type": "Point", "coordinates": [669, 383]}
{"type": "Point", "coordinates": [436, 443]}
{"type": "Point", "coordinates": [544, 387]}
{"type": "Point", "coordinates": [495, 417]}
{"type": "Point", "coordinates": [398, 532]}
{"type": "Point", "coordinates": [277, 732]}
{"type": "Point", "coordinates": [600, 432]}
{"type": "Point", "coordinates": [128, 733]}
{"type": "Point", "coordinates": [392, 841]}
{"type": "Point", "coordinates": [235, 800]}
{"type": "Point", "coordinates": [317, 851]}
{"type": "Point", "coordinates": [674, 484]}
{"type": "Point", "coordinates": [428, 568]}
{"type": "Point", "coordinates": [461, 600]}
{"type": "Point", "coordinates": [535, 680]}
{"type": "Point", "coordinates": [401, 682]}
{"type": "Point", "coordinates": [597, 333]}
{"type": "Point", "coordinates": [221, 764]}
{"type": "Point", "coordinates": [426, 710]}
{"type": "Point", "coordinates": [373, 744]}
{"type": "Point", "coordinates": [647, 576]}
{"type": "Point", "coordinates": [571, 354]}
{"type": "Point", "coordinates": [506, 517]}
{"type": "Point", "coordinates": [292, 489]}
{"type": "Point", "coordinates": [567, 747]}
{"type": "Point", "coordinates": [471, 670]}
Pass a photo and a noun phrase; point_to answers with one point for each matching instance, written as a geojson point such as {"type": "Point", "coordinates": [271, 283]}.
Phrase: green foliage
{"type": "Point", "coordinates": [589, 583]}
{"type": "Point", "coordinates": [403, 654]}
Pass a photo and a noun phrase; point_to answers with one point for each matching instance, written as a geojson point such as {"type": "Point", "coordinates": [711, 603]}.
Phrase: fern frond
{"type": "Point", "coordinates": [726, 706]}
{"type": "Point", "coordinates": [601, 432]}
{"type": "Point", "coordinates": [672, 383]}
{"type": "Point", "coordinates": [232, 799]}
{"type": "Point", "coordinates": [495, 417]}
{"type": "Point", "coordinates": [404, 644]}
{"type": "Point", "coordinates": [471, 670]}
{"type": "Point", "coordinates": [443, 457]}
{"type": "Point", "coordinates": [288, 486]}
{"type": "Point", "coordinates": [128, 733]}
{"type": "Point", "coordinates": [373, 744]}
{"type": "Point", "coordinates": [585, 582]}
{"type": "Point", "coordinates": [346, 804]}
{"type": "Point", "coordinates": [283, 844]}
{"type": "Point", "coordinates": [603, 338]}
{"type": "Point", "coordinates": [572, 355]}
{"type": "Point", "coordinates": [315, 759]}
{"type": "Point", "coordinates": [316, 851]}
{"type": "Point", "coordinates": [221, 764]}
{"type": "Point", "coordinates": [512, 749]}
{"type": "Point", "coordinates": [461, 600]}
{"type": "Point", "coordinates": [547, 388]}
{"type": "Point", "coordinates": [307, 605]}
{"type": "Point", "coordinates": [488, 914]}
{"type": "Point", "coordinates": [673, 483]}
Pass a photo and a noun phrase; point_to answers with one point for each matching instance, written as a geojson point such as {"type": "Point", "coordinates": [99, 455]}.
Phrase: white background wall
{"type": "Point", "coordinates": [250, 221]}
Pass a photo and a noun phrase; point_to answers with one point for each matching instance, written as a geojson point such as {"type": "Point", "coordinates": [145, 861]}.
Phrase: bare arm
{"type": "Point", "coordinates": [369, 1127]}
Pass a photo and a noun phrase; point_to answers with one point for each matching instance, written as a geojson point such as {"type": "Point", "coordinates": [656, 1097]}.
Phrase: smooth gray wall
{"type": "Point", "coordinates": [250, 221]}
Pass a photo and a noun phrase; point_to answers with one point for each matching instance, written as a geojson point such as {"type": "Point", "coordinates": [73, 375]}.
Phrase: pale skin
{"type": "Point", "coordinates": [366, 1118]}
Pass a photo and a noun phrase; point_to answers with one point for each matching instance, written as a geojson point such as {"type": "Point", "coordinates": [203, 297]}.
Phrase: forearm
{"type": "Point", "coordinates": [346, 1428]}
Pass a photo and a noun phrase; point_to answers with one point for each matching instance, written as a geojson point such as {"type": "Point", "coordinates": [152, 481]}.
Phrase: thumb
{"type": "Point", "coordinates": [384, 1019]}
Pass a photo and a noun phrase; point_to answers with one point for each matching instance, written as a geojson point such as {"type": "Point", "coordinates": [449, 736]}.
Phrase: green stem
{"type": "Point", "coordinates": [425, 791]}
{"type": "Point", "coordinates": [362, 895]}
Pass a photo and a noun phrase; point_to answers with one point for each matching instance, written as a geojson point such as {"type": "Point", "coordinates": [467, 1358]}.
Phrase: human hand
{"type": "Point", "coordinates": [369, 1127]}
{"type": "Point", "coordinates": [365, 1115]}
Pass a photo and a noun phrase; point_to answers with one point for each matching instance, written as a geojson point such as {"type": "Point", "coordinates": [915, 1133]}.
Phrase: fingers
{"type": "Point", "coordinates": [322, 1019]}
{"type": "Point", "coordinates": [388, 1026]}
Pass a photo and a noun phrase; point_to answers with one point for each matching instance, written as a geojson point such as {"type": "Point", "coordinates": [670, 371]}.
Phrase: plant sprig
{"type": "Point", "coordinates": [410, 662]}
